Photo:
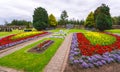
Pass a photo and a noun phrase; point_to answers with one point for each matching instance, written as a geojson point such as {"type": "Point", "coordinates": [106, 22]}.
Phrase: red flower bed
{"type": "Point", "coordinates": [7, 41]}
{"type": "Point", "coordinates": [88, 49]}
{"type": "Point", "coordinates": [44, 44]}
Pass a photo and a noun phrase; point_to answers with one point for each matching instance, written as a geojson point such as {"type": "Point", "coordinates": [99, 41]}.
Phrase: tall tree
{"type": "Point", "coordinates": [64, 17]}
{"type": "Point", "coordinates": [52, 20]}
{"type": "Point", "coordinates": [40, 18]}
{"type": "Point", "coordinates": [103, 18]}
{"type": "Point", "coordinates": [89, 23]}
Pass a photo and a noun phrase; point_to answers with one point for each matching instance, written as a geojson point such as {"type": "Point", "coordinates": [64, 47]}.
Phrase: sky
{"type": "Point", "coordinates": [77, 9]}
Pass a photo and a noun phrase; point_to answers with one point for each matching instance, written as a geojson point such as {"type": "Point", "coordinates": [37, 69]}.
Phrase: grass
{"type": "Point", "coordinates": [2, 34]}
{"type": "Point", "coordinates": [31, 62]}
{"type": "Point", "coordinates": [99, 38]}
{"type": "Point", "coordinates": [77, 30]}
{"type": "Point", "coordinates": [69, 30]}
{"type": "Point", "coordinates": [114, 31]}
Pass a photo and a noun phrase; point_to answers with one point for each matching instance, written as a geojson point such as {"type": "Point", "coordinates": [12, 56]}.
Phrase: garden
{"type": "Point", "coordinates": [65, 45]}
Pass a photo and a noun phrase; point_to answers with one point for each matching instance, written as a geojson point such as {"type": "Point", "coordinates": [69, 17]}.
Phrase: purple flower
{"type": "Point", "coordinates": [84, 65]}
{"type": "Point", "coordinates": [118, 59]}
{"type": "Point", "coordinates": [81, 61]}
{"type": "Point", "coordinates": [90, 65]}
{"type": "Point", "coordinates": [96, 64]}
{"type": "Point", "coordinates": [71, 58]}
{"type": "Point", "coordinates": [94, 58]}
{"type": "Point", "coordinates": [98, 56]}
{"type": "Point", "coordinates": [103, 61]}
{"type": "Point", "coordinates": [100, 63]}
{"type": "Point", "coordinates": [75, 61]}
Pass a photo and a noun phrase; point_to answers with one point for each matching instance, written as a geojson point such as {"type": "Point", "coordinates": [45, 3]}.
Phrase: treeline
{"type": "Point", "coordinates": [100, 19]}
{"type": "Point", "coordinates": [19, 23]}
{"type": "Point", "coordinates": [116, 20]}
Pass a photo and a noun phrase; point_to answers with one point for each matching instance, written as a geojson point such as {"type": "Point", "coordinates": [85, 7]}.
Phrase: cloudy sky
{"type": "Point", "coordinates": [78, 9]}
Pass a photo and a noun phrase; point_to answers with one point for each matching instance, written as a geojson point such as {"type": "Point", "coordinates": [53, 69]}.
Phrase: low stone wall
{"type": "Point", "coordinates": [10, 28]}
{"type": "Point", "coordinates": [116, 26]}
{"type": "Point", "coordinates": [74, 26]}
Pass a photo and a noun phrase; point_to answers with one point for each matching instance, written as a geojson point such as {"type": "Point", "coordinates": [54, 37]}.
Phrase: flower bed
{"type": "Point", "coordinates": [99, 38]}
{"type": "Point", "coordinates": [42, 46]}
{"type": "Point", "coordinates": [15, 39]}
{"type": "Point", "coordinates": [88, 49]}
{"type": "Point", "coordinates": [87, 55]}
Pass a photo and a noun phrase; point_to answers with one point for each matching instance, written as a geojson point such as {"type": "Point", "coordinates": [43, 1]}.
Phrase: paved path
{"type": "Point", "coordinates": [19, 46]}
{"type": "Point", "coordinates": [59, 60]}
{"type": "Point", "coordinates": [5, 69]}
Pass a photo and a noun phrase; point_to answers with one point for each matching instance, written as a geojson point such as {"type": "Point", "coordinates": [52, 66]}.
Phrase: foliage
{"type": "Point", "coordinates": [116, 20]}
{"type": "Point", "coordinates": [89, 23]}
{"type": "Point", "coordinates": [103, 18]}
{"type": "Point", "coordinates": [99, 38]}
{"type": "Point", "coordinates": [40, 18]}
{"type": "Point", "coordinates": [20, 23]}
{"type": "Point", "coordinates": [24, 35]}
{"type": "Point", "coordinates": [88, 49]}
{"type": "Point", "coordinates": [79, 50]}
{"type": "Point", "coordinates": [31, 62]}
{"type": "Point", "coordinates": [52, 20]}
{"type": "Point", "coordinates": [75, 22]}
{"type": "Point", "coordinates": [63, 17]}
{"type": "Point", "coordinates": [12, 40]}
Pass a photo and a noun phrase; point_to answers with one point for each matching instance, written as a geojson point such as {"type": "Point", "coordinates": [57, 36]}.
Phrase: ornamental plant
{"type": "Point", "coordinates": [8, 41]}
{"type": "Point", "coordinates": [76, 55]}
{"type": "Point", "coordinates": [88, 49]}
{"type": "Point", "coordinates": [24, 35]}
{"type": "Point", "coordinates": [44, 45]}
{"type": "Point", "coordinates": [99, 38]}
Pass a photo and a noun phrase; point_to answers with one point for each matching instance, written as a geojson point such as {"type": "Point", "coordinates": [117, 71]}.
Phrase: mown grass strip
{"type": "Point", "coordinates": [31, 62]}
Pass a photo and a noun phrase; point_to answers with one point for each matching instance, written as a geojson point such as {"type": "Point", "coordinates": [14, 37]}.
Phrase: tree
{"type": "Point", "coordinates": [89, 23]}
{"type": "Point", "coordinates": [81, 22]}
{"type": "Point", "coordinates": [40, 18]}
{"type": "Point", "coordinates": [20, 23]}
{"type": "Point", "coordinates": [52, 20]}
{"type": "Point", "coordinates": [103, 18]}
{"type": "Point", "coordinates": [116, 20]}
{"type": "Point", "coordinates": [64, 17]}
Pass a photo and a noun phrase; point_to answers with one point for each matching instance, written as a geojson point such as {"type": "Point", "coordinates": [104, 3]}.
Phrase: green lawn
{"type": "Point", "coordinates": [30, 62]}
{"type": "Point", "coordinates": [114, 31]}
{"type": "Point", "coordinates": [77, 30]}
{"type": "Point", "coordinates": [69, 30]}
{"type": "Point", "coordinates": [2, 34]}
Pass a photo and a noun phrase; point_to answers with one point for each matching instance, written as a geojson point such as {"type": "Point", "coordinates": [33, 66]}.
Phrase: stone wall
{"type": "Point", "coordinates": [10, 28]}
{"type": "Point", "coordinates": [116, 26]}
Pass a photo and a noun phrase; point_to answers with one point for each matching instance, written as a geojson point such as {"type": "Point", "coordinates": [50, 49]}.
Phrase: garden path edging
{"type": "Point", "coordinates": [59, 60]}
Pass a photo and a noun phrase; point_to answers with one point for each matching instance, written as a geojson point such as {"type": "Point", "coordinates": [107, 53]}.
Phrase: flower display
{"type": "Point", "coordinates": [89, 49]}
{"type": "Point", "coordinates": [15, 39]}
{"type": "Point", "coordinates": [85, 54]}
{"type": "Point", "coordinates": [44, 45]}
{"type": "Point", "coordinates": [99, 38]}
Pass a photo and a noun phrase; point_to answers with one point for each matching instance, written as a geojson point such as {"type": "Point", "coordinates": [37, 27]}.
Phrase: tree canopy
{"type": "Point", "coordinates": [103, 18]}
{"type": "Point", "coordinates": [40, 18]}
{"type": "Point", "coordinates": [52, 20]}
{"type": "Point", "coordinates": [89, 23]}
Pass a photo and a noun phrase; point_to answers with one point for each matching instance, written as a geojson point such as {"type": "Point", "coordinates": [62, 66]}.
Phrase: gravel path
{"type": "Point", "coordinates": [59, 60]}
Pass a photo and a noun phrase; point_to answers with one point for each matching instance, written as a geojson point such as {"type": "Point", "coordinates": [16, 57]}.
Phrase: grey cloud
{"type": "Point", "coordinates": [78, 9]}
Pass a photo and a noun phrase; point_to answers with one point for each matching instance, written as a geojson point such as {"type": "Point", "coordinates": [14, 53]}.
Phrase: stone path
{"type": "Point", "coordinates": [59, 60]}
{"type": "Point", "coordinates": [19, 46]}
{"type": "Point", "coordinates": [5, 69]}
